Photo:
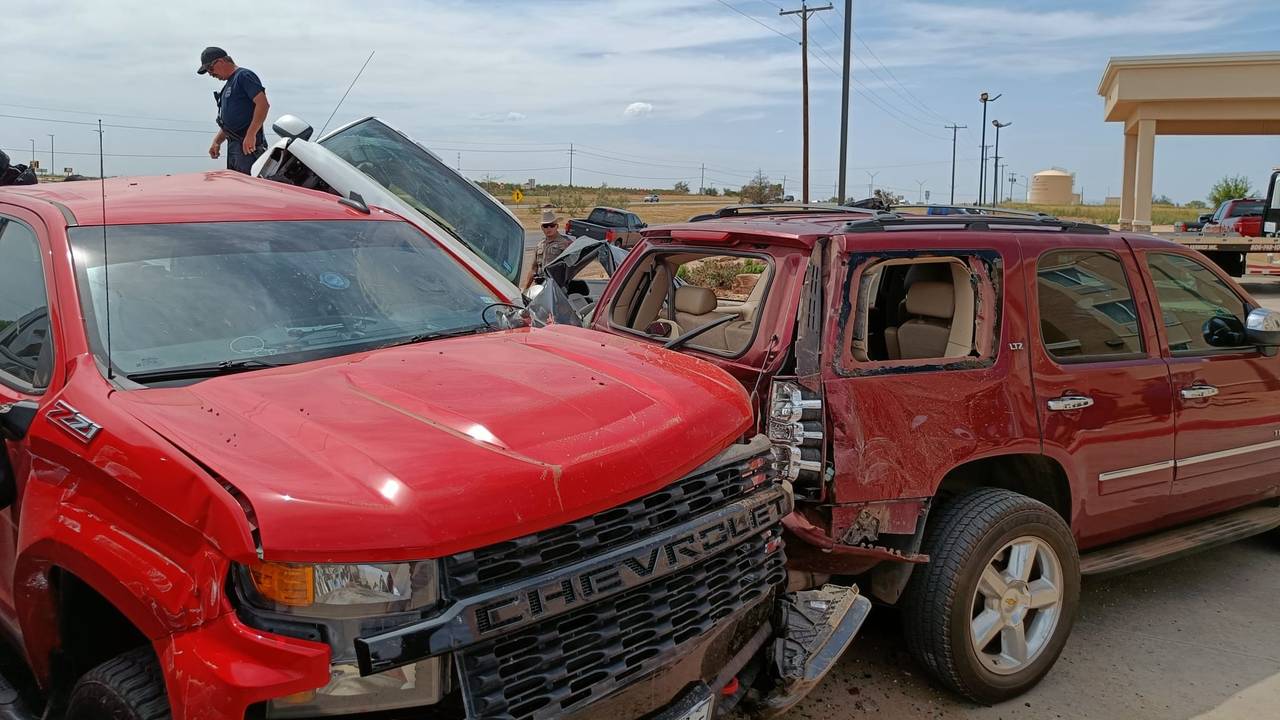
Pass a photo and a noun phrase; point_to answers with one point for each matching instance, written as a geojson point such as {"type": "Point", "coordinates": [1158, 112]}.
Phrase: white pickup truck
{"type": "Point", "coordinates": [369, 161]}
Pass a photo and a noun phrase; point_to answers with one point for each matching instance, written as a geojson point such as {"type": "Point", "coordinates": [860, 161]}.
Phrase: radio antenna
{"type": "Point", "coordinates": [344, 95]}
{"type": "Point", "coordinates": [106, 276]}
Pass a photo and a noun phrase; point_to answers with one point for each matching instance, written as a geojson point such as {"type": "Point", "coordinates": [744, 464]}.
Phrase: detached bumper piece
{"type": "Point", "coordinates": [816, 627]}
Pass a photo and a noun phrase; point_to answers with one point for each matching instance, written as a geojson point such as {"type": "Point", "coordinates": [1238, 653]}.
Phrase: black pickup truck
{"type": "Point", "coordinates": [614, 226]}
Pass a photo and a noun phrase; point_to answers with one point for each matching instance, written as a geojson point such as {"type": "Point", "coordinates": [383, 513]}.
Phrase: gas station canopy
{"type": "Point", "coordinates": [1212, 94]}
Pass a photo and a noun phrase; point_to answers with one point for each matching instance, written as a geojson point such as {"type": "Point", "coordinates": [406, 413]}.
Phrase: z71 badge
{"type": "Point", "coordinates": [70, 419]}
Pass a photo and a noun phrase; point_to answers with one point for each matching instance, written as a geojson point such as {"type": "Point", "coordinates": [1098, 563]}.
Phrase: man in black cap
{"type": "Point", "coordinates": [242, 109]}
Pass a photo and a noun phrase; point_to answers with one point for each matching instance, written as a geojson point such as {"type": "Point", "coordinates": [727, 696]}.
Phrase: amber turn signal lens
{"type": "Point", "coordinates": [292, 585]}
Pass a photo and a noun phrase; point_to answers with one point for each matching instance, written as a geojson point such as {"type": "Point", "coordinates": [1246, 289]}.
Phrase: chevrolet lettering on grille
{"type": "Point", "coordinates": [505, 609]}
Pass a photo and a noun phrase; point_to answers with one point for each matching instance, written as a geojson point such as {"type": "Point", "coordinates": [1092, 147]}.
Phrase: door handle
{"type": "Point", "coordinates": [1070, 402]}
{"type": "Point", "coordinates": [1195, 392]}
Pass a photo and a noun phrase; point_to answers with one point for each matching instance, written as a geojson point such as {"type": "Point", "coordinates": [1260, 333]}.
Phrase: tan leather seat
{"type": "Point", "coordinates": [931, 306]}
{"type": "Point", "coordinates": [696, 306]}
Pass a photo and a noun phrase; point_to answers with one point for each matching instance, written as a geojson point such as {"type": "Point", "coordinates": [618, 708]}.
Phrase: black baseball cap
{"type": "Point", "coordinates": [208, 57]}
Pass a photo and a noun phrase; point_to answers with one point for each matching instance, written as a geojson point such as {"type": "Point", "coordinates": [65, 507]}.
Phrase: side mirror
{"type": "Point", "coordinates": [16, 419]}
{"type": "Point", "coordinates": [291, 127]}
{"type": "Point", "coordinates": [1205, 218]}
{"type": "Point", "coordinates": [1263, 328]}
{"type": "Point", "coordinates": [1224, 331]}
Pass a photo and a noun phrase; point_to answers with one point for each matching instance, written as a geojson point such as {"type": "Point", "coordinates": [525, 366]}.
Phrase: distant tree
{"type": "Point", "coordinates": [1229, 188]}
{"type": "Point", "coordinates": [611, 197]}
{"type": "Point", "coordinates": [1162, 200]}
{"type": "Point", "coordinates": [760, 191]}
{"type": "Point", "coordinates": [682, 187]}
{"type": "Point", "coordinates": [710, 191]}
{"type": "Point", "coordinates": [1199, 204]}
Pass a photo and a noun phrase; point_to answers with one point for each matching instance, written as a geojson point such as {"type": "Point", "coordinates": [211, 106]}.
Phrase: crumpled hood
{"type": "Point", "coordinates": [431, 449]}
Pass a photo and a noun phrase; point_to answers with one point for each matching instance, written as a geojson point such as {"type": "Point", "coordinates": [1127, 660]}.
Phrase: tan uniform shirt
{"type": "Point", "coordinates": [548, 250]}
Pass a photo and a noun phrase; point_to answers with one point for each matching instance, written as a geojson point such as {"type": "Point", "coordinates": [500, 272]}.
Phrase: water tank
{"type": "Point", "coordinates": [1052, 187]}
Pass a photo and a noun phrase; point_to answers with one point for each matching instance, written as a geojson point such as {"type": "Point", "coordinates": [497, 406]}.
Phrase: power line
{"type": "Point", "coordinates": [757, 21]}
{"type": "Point", "coordinates": [94, 154]}
{"type": "Point", "coordinates": [89, 124]}
{"type": "Point", "coordinates": [85, 112]}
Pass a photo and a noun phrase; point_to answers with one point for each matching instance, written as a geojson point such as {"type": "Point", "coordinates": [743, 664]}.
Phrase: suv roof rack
{"type": "Point", "coordinates": [735, 211]}
{"type": "Point", "coordinates": [885, 221]}
{"type": "Point", "coordinates": [978, 210]}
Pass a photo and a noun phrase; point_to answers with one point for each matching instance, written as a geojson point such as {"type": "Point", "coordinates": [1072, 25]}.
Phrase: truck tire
{"type": "Point", "coordinates": [989, 614]}
{"type": "Point", "coordinates": [127, 687]}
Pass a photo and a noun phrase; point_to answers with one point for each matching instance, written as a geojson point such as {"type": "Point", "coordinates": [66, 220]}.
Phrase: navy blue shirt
{"type": "Point", "coordinates": [235, 109]}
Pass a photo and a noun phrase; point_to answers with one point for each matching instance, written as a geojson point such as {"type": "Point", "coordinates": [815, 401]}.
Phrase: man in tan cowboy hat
{"type": "Point", "coordinates": [552, 244]}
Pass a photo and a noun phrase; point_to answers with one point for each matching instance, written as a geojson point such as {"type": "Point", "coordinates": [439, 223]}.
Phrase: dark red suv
{"type": "Point", "coordinates": [977, 410]}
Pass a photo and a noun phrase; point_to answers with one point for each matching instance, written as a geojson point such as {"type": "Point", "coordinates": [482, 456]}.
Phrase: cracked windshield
{"type": "Point", "coordinates": [422, 181]}
{"type": "Point", "coordinates": [267, 293]}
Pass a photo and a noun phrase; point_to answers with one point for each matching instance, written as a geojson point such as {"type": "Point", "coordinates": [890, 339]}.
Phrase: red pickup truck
{"type": "Point", "coordinates": [271, 454]}
{"type": "Point", "coordinates": [976, 410]}
{"type": "Point", "coordinates": [1242, 216]}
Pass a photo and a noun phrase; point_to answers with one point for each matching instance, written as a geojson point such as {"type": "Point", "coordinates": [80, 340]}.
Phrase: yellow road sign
{"type": "Point", "coordinates": [517, 196]}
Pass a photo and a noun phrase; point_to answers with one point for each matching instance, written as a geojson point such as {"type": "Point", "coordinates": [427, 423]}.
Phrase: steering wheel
{"type": "Point", "coordinates": [374, 172]}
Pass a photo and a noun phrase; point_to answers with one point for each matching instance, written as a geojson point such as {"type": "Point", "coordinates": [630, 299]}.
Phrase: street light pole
{"type": "Point", "coordinates": [984, 98]}
{"type": "Point", "coordinates": [844, 107]}
{"type": "Point", "coordinates": [995, 185]}
{"type": "Point", "coordinates": [52, 164]}
{"type": "Point", "coordinates": [920, 191]}
{"type": "Point", "coordinates": [33, 153]}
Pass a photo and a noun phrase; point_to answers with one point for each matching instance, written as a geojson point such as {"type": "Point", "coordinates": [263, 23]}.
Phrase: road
{"type": "Point", "coordinates": [1196, 638]}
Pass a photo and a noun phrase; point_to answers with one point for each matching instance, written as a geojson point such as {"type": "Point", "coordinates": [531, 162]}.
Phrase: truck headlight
{"type": "Point", "coordinates": [335, 604]}
{"type": "Point", "coordinates": [341, 590]}
{"type": "Point", "coordinates": [796, 429]}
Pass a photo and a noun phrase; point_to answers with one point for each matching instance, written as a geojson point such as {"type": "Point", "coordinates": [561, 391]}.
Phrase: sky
{"type": "Point", "coordinates": [646, 91]}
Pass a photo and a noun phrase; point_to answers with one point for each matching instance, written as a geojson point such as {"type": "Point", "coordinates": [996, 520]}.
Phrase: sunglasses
{"type": "Point", "coordinates": [549, 225]}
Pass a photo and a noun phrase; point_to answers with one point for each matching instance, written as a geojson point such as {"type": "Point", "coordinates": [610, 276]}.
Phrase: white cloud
{"type": "Point", "coordinates": [638, 109]}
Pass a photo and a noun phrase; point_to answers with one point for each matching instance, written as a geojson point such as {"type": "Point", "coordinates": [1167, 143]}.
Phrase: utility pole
{"type": "Point", "coordinates": [52, 164]}
{"type": "Point", "coordinates": [954, 129]}
{"type": "Point", "coordinates": [871, 191]}
{"type": "Point", "coordinates": [1012, 178]}
{"type": "Point", "coordinates": [805, 12]}
{"type": "Point", "coordinates": [984, 98]}
{"type": "Point", "coordinates": [844, 102]}
{"type": "Point", "coordinates": [570, 166]}
{"type": "Point", "coordinates": [459, 163]}
{"type": "Point", "coordinates": [33, 152]}
{"type": "Point", "coordinates": [920, 191]}
{"type": "Point", "coordinates": [702, 185]}
{"type": "Point", "coordinates": [995, 185]}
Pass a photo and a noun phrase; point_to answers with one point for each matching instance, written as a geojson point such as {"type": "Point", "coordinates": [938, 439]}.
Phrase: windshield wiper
{"type": "Point", "coordinates": [197, 372]}
{"type": "Point", "coordinates": [434, 335]}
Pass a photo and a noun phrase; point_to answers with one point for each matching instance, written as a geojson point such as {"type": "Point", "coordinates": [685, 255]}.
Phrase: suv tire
{"type": "Point", "coordinates": [997, 559]}
{"type": "Point", "coordinates": [127, 687]}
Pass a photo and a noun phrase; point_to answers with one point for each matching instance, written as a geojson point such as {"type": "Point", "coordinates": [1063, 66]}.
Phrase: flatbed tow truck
{"type": "Point", "coordinates": [1231, 252]}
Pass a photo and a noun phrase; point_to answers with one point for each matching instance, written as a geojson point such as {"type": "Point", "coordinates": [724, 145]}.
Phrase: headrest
{"type": "Point", "coordinates": [931, 299]}
{"type": "Point", "coordinates": [695, 300]}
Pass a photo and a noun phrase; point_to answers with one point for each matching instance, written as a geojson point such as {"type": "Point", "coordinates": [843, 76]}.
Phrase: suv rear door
{"type": "Point", "coordinates": [1103, 390]}
{"type": "Point", "coordinates": [1226, 398]}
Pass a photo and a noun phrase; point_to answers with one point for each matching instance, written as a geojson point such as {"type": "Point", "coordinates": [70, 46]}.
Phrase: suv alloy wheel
{"type": "Point", "coordinates": [991, 611]}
